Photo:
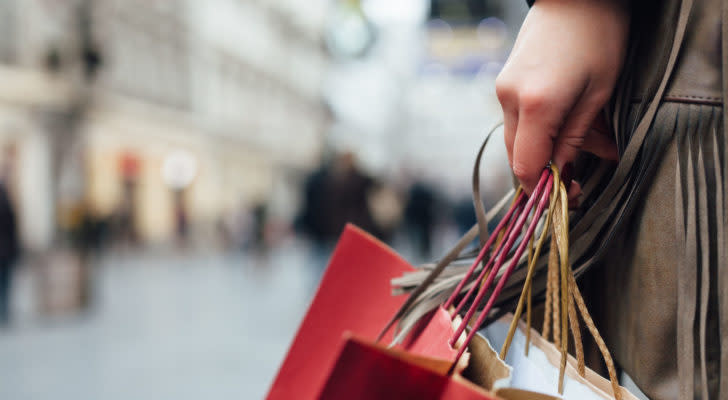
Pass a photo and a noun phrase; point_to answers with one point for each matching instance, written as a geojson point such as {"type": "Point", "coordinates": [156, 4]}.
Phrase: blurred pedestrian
{"type": "Point", "coordinates": [259, 237]}
{"type": "Point", "coordinates": [334, 195]}
{"type": "Point", "coordinates": [310, 220]}
{"type": "Point", "coordinates": [346, 191]}
{"type": "Point", "coordinates": [464, 214]}
{"type": "Point", "coordinates": [181, 219]}
{"type": "Point", "coordinates": [8, 250]}
{"type": "Point", "coordinates": [419, 216]}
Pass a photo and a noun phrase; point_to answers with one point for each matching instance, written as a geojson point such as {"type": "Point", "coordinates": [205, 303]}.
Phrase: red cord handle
{"type": "Point", "coordinates": [503, 254]}
{"type": "Point", "coordinates": [543, 201]}
{"type": "Point", "coordinates": [487, 266]}
{"type": "Point", "coordinates": [517, 204]}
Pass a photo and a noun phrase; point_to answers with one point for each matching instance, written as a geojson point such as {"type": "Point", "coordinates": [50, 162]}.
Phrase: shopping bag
{"type": "Point", "coordinates": [538, 369]}
{"type": "Point", "coordinates": [365, 370]}
{"type": "Point", "coordinates": [368, 370]}
{"type": "Point", "coordinates": [354, 296]}
{"type": "Point", "coordinates": [564, 303]}
{"type": "Point", "coordinates": [487, 370]}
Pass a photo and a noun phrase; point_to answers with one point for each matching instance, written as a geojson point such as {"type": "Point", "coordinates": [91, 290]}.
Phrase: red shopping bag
{"type": "Point", "coordinates": [354, 296]}
{"type": "Point", "coordinates": [365, 370]}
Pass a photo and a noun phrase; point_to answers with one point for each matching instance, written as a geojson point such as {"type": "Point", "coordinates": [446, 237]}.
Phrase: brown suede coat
{"type": "Point", "coordinates": [657, 289]}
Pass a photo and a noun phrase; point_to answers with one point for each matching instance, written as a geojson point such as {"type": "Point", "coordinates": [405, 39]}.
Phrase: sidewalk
{"type": "Point", "coordinates": [183, 326]}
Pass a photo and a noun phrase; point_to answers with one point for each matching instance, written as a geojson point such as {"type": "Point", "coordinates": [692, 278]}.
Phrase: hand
{"type": "Point", "coordinates": [559, 75]}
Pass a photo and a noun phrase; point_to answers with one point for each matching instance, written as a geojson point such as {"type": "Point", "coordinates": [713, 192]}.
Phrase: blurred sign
{"type": "Point", "coordinates": [466, 50]}
{"type": "Point", "coordinates": [465, 11]}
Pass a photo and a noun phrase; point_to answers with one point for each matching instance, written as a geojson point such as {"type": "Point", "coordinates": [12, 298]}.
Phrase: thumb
{"type": "Point", "coordinates": [599, 140]}
{"type": "Point", "coordinates": [576, 134]}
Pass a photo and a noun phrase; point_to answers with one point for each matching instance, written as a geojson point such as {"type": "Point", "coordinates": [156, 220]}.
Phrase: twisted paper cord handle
{"type": "Point", "coordinates": [532, 257]}
{"type": "Point", "coordinates": [597, 337]}
{"type": "Point", "coordinates": [529, 298]}
{"type": "Point", "coordinates": [563, 298]}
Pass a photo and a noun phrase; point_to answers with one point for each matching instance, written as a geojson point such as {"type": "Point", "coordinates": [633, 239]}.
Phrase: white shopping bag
{"type": "Point", "coordinates": [539, 371]}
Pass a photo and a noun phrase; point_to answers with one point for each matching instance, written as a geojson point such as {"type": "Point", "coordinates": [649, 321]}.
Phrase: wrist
{"type": "Point", "coordinates": [610, 17]}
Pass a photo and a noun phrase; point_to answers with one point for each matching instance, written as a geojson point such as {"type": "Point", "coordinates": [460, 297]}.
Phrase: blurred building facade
{"type": "Point", "coordinates": [418, 96]}
{"type": "Point", "coordinates": [97, 96]}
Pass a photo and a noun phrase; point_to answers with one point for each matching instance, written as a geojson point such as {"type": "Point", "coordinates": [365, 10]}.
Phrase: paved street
{"type": "Point", "coordinates": [164, 326]}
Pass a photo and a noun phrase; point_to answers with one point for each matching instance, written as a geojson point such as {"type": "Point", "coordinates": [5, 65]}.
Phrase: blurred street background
{"type": "Point", "coordinates": [174, 174]}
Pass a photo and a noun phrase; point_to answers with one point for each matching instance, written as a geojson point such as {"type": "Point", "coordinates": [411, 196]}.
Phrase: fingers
{"type": "Point", "coordinates": [528, 151]}
{"type": "Point", "coordinates": [532, 148]}
{"type": "Point", "coordinates": [573, 135]}
{"type": "Point", "coordinates": [543, 124]}
{"type": "Point", "coordinates": [601, 145]}
{"type": "Point", "coordinates": [534, 112]}
{"type": "Point", "coordinates": [540, 117]}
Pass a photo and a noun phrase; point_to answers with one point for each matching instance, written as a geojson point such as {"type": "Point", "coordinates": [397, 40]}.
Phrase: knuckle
{"type": "Point", "coordinates": [520, 170]}
{"type": "Point", "coordinates": [533, 99]}
{"type": "Point", "coordinates": [505, 90]}
{"type": "Point", "coordinates": [573, 141]}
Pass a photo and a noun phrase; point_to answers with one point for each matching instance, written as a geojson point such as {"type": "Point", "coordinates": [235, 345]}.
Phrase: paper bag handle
{"type": "Point", "coordinates": [564, 289]}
